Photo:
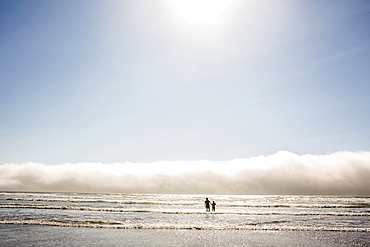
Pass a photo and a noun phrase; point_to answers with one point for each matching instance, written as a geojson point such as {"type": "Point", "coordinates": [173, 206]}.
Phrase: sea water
{"type": "Point", "coordinates": [187, 212]}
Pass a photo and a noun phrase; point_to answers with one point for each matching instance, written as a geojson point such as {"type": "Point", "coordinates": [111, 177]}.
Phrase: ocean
{"type": "Point", "coordinates": [344, 218]}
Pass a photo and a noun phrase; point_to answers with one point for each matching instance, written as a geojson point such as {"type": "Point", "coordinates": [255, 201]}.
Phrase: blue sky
{"type": "Point", "coordinates": [115, 81]}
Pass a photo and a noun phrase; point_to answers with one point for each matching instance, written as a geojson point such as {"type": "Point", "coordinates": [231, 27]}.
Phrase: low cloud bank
{"type": "Point", "coordinates": [340, 173]}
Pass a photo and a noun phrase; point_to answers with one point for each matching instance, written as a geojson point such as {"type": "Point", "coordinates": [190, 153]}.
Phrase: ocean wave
{"type": "Point", "coordinates": [301, 206]}
{"type": "Point", "coordinates": [136, 210]}
{"type": "Point", "coordinates": [117, 225]}
{"type": "Point", "coordinates": [102, 201]}
{"type": "Point", "coordinates": [353, 205]}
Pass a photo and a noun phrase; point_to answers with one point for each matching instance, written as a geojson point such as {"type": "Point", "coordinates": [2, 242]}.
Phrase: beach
{"type": "Point", "coordinates": [129, 219]}
{"type": "Point", "coordinates": [36, 235]}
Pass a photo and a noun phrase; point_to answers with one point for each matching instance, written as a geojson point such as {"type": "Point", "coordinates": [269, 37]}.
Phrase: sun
{"type": "Point", "coordinates": [202, 12]}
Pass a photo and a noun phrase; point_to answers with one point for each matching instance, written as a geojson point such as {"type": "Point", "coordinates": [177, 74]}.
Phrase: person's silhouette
{"type": "Point", "coordinates": [207, 203]}
{"type": "Point", "coordinates": [213, 206]}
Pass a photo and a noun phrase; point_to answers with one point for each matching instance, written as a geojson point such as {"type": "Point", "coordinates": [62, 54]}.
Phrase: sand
{"type": "Point", "coordinates": [28, 235]}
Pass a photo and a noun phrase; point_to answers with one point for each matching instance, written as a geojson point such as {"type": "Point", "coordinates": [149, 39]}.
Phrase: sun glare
{"type": "Point", "coordinates": [200, 11]}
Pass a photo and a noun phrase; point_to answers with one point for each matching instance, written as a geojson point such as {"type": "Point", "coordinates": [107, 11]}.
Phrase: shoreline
{"type": "Point", "coordinates": [26, 235]}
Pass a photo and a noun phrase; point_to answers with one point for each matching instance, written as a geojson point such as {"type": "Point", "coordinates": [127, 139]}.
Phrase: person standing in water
{"type": "Point", "coordinates": [207, 203]}
{"type": "Point", "coordinates": [213, 206]}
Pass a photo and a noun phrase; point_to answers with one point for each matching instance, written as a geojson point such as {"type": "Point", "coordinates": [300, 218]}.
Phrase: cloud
{"type": "Point", "coordinates": [340, 173]}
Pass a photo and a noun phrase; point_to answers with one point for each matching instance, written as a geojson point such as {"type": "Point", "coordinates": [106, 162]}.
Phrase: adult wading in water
{"type": "Point", "coordinates": [207, 203]}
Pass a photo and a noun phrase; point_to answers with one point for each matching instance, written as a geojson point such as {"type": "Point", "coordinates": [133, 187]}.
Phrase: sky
{"type": "Point", "coordinates": [106, 85]}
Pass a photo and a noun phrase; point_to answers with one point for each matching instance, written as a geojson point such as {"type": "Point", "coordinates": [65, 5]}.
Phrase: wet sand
{"type": "Point", "coordinates": [29, 235]}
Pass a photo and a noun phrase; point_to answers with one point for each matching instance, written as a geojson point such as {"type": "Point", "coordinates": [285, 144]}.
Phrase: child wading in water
{"type": "Point", "coordinates": [213, 206]}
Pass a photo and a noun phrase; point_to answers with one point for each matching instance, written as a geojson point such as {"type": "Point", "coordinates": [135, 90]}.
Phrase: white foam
{"type": "Point", "coordinates": [147, 210]}
{"type": "Point", "coordinates": [181, 227]}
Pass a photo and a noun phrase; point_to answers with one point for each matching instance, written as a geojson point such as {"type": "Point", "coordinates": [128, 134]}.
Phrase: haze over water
{"type": "Point", "coordinates": [284, 173]}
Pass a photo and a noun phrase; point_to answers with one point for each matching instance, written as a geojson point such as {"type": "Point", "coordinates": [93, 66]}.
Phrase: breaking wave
{"type": "Point", "coordinates": [135, 210]}
{"type": "Point", "coordinates": [249, 226]}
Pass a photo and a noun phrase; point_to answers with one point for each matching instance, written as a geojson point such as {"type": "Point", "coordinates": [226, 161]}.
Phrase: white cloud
{"type": "Point", "coordinates": [346, 173]}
